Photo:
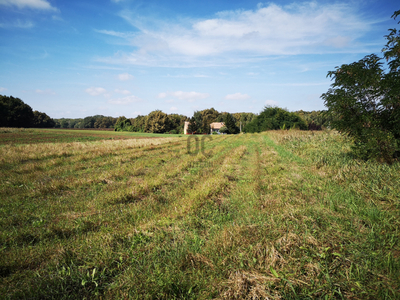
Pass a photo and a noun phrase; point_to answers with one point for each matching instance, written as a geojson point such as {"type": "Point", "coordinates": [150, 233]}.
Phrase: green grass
{"type": "Point", "coordinates": [279, 215]}
{"type": "Point", "coordinates": [13, 136]}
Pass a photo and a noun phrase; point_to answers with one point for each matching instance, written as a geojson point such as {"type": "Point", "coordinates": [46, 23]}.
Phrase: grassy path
{"type": "Point", "coordinates": [274, 215]}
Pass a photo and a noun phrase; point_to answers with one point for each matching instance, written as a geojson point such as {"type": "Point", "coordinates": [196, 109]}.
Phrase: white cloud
{"type": "Point", "coordinates": [237, 96]}
{"type": "Point", "coordinates": [35, 4]}
{"type": "Point", "coordinates": [124, 92]}
{"type": "Point", "coordinates": [2, 89]}
{"type": "Point", "coordinates": [125, 76]}
{"type": "Point", "coordinates": [125, 100]}
{"type": "Point", "coordinates": [173, 108]}
{"type": "Point", "coordinates": [271, 103]}
{"type": "Point", "coordinates": [45, 92]}
{"type": "Point", "coordinates": [306, 28]}
{"type": "Point", "coordinates": [17, 24]}
{"type": "Point", "coordinates": [187, 96]}
{"type": "Point", "coordinates": [95, 91]}
{"type": "Point", "coordinates": [116, 33]}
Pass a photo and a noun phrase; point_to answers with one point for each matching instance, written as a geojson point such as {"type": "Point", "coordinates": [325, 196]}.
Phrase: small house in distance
{"type": "Point", "coordinates": [216, 126]}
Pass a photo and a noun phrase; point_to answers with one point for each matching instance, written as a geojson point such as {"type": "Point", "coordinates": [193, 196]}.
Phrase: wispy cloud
{"type": "Point", "coordinates": [305, 28]}
{"type": "Point", "coordinates": [45, 92]}
{"type": "Point", "coordinates": [34, 4]}
{"type": "Point", "coordinates": [17, 24]}
{"type": "Point", "coordinates": [95, 91]}
{"type": "Point", "coordinates": [327, 82]}
{"type": "Point", "coordinates": [271, 102]}
{"type": "Point", "coordinates": [237, 96]}
{"type": "Point", "coordinates": [187, 96]}
{"type": "Point", "coordinates": [116, 33]}
{"type": "Point", "coordinates": [125, 76]}
{"type": "Point", "coordinates": [125, 100]}
{"type": "Point", "coordinates": [123, 92]}
{"type": "Point", "coordinates": [2, 89]}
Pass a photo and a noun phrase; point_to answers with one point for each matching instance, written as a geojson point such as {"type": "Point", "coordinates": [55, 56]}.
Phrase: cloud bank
{"type": "Point", "coordinates": [306, 28]}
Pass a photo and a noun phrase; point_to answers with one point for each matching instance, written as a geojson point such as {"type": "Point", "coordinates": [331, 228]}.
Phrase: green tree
{"type": "Point", "coordinates": [42, 120]}
{"type": "Point", "coordinates": [224, 129]}
{"type": "Point", "coordinates": [104, 122]}
{"type": "Point", "coordinates": [364, 102]}
{"type": "Point", "coordinates": [208, 116]}
{"type": "Point", "coordinates": [230, 124]}
{"type": "Point", "coordinates": [198, 121]}
{"type": "Point", "coordinates": [15, 113]}
{"type": "Point", "coordinates": [193, 127]}
{"type": "Point", "coordinates": [123, 124]}
{"type": "Point", "coordinates": [177, 122]}
{"type": "Point", "coordinates": [64, 123]}
{"type": "Point", "coordinates": [138, 123]}
{"type": "Point", "coordinates": [273, 118]}
{"type": "Point", "coordinates": [242, 119]}
{"type": "Point", "coordinates": [157, 122]}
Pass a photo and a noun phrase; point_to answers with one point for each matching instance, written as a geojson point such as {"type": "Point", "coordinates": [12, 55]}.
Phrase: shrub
{"type": "Point", "coordinates": [364, 102]}
{"type": "Point", "coordinates": [273, 118]}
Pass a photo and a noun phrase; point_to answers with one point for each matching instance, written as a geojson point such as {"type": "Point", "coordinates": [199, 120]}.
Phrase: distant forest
{"type": "Point", "coordinates": [15, 113]}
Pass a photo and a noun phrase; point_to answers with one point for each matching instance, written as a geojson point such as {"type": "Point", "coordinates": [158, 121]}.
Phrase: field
{"type": "Point", "coordinates": [276, 215]}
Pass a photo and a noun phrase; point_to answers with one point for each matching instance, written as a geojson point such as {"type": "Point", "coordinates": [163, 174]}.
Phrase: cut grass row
{"type": "Point", "coordinates": [277, 215]}
{"type": "Point", "coordinates": [20, 136]}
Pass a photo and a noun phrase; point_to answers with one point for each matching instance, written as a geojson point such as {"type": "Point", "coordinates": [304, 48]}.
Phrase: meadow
{"type": "Point", "coordinates": [276, 215]}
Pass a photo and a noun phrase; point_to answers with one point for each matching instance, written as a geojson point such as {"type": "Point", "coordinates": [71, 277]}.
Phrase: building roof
{"type": "Point", "coordinates": [217, 125]}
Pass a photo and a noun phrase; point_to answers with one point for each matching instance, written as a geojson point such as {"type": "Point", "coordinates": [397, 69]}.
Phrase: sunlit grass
{"type": "Point", "coordinates": [279, 215]}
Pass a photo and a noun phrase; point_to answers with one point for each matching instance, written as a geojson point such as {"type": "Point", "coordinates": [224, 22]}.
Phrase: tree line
{"type": "Point", "coordinates": [15, 113]}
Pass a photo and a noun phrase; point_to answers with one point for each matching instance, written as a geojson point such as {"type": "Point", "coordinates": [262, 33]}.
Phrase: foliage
{"type": "Point", "coordinates": [193, 126]}
{"type": "Point", "coordinates": [15, 113]}
{"type": "Point", "coordinates": [230, 124]}
{"type": "Point", "coordinates": [123, 124]}
{"type": "Point", "coordinates": [138, 123]}
{"type": "Point", "coordinates": [177, 122]}
{"type": "Point", "coordinates": [364, 102]}
{"type": "Point", "coordinates": [42, 120]}
{"type": "Point", "coordinates": [157, 122]}
{"type": "Point", "coordinates": [97, 121]}
{"type": "Point", "coordinates": [316, 119]}
{"type": "Point", "coordinates": [104, 122]}
{"type": "Point", "coordinates": [273, 118]}
{"type": "Point", "coordinates": [242, 119]}
{"type": "Point", "coordinates": [208, 116]}
{"type": "Point", "coordinates": [203, 119]}
{"type": "Point", "coordinates": [197, 120]}
{"type": "Point", "coordinates": [224, 129]}
{"type": "Point", "coordinates": [90, 121]}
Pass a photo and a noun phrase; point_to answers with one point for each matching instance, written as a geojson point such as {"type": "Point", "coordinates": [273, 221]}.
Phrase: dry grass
{"type": "Point", "coordinates": [278, 215]}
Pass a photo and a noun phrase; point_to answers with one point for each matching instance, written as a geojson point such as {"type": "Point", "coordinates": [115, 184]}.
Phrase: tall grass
{"type": "Point", "coordinates": [279, 215]}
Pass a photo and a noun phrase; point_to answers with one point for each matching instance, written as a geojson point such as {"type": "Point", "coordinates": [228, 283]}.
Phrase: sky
{"type": "Point", "coordinates": [78, 58]}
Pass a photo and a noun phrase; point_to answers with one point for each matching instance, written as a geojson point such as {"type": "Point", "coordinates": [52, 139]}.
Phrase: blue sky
{"type": "Point", "coordinates": [127, 57]}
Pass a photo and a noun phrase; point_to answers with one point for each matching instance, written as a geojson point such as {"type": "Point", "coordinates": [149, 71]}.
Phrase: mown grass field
{"type": "Point", "coordinates": [277, 215]}
{"type": "Point", "coordinates": [11, 136]}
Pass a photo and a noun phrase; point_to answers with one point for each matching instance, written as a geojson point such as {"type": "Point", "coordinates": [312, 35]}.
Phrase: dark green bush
{"type": "Point", "coordinates": [273, 118]}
